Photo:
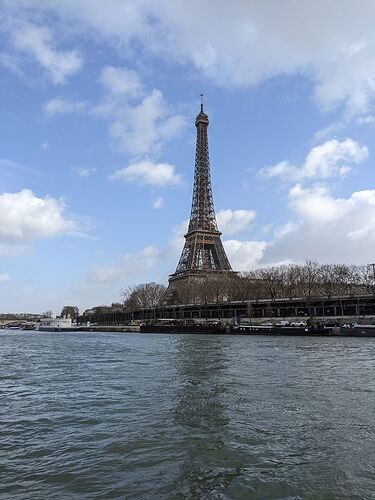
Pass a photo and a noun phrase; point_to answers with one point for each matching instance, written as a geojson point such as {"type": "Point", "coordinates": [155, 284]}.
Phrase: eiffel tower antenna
{"type": "Point", "coordinates": [203, 253]}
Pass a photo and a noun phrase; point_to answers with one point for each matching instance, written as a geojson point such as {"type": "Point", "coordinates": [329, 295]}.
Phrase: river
{"type": "Point", "coordinates": [111, 415]}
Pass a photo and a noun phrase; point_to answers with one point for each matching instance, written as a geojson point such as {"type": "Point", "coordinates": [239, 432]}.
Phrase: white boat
{"type": "Point", "coordinates": [56, 325]}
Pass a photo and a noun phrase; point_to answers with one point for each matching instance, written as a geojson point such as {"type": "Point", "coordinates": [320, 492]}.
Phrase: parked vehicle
{"type": "Point", "coordinates": [283, 322]}
{"type": "Point", "coordinates": [299, 324]}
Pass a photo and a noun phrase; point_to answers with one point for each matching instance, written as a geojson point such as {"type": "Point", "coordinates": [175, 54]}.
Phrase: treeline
{"type": "Point", "coordinates": [21, 316]}
{"type": "Point", "coordinates": [143, 296]}
{"type": "Point", "coordinates": [310, 280]}
{"type": "Point", "coordinates": [306, 280]}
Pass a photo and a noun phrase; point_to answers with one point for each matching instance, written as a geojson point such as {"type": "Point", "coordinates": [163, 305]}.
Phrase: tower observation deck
{"type": "Point", "coordinates": [203, 254]}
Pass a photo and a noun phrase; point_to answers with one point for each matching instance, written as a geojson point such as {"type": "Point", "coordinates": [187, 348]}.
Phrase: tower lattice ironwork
{"type": "Point", "coordinates": [203, 253]}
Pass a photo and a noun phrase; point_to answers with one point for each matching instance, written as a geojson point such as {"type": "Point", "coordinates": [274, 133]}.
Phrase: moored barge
{"type": "Point", "coordinates": [281, 330]}
{"type": "Point", "coordinates": [176, 326]}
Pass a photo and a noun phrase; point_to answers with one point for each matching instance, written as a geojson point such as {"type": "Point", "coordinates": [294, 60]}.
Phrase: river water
{"type": "Point", "coordinates": [110, 415]}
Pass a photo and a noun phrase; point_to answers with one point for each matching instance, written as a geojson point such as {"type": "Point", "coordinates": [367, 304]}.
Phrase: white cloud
{"type": "Point", "coordinates": [285, 229]}
{"type": "Point", "coordinates": [44, 145]}
{"type": "Point", "coordinates": [139, 127]}
{"type": "Point", "coordinates": [158, 203]}
{"type": "Point", "coordinates": [366, 120]}
{"type": "Point", "coordinates": [315, 205]}
{"type": "Point", "coordinates": [177, 240]}
{"type": "Point", "coordinates": [84, 171]}
{"type": "Point", "coordinates": [253, 41]}
{"type": "Point", "coordinates": [233, 221]}
{"type": "Point", "coordinates": [326, 228]}
{"type": "Point", "coordinates": [121, 81]}
{"type": "Point", "coordinates": [25, 218]}
{"type": "Point", "coordinates": [322, 227]}
{"type": "Point", "coordinates": [148, 173]}
{"type": "Point", "coordinates": [243, 43]}
{"type": "Point", "coordinates": [4, 277]}
{"type": "Point", "coordinates": [131, 266]}
{"type": "Point", "coordinates": [38, 42]}
{"type": "Point", "coordinates": [144, 127]}
{"type": "Point", "coordinates": [332, 158]}
{"type": "Point", "coordinates": [244, 255]}
{"type": "Point", "coordinates": [60, 105]}
{"type": "Point", "coordinates": [334, 129]}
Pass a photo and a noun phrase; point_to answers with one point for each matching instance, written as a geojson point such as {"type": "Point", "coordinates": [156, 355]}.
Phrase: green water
{"type": "Point", "coordinates": [88, 415]}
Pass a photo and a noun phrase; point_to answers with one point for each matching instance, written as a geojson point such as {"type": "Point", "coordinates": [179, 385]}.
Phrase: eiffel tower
{"type": "Point", "coordinates": [203, 255]}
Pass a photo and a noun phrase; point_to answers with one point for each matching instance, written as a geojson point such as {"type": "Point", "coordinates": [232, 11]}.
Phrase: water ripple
{"type": "Point", "coordinates": [87, 415]}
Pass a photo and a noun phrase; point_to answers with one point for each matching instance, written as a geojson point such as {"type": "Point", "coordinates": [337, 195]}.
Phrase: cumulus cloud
{"type": "Point", "coordinates": [333, 158]}
{"type": "Point", "coordinates": [242, 44]}
{"type": "Point", "coordinates": [285, 229]}
{"type": "Point", "coordinates": [233, 221]}
{"type": "Point", "coordinates": [38, 42]}
{"type": "Point", "coordinates": [121, 81]}
{"type": "Point", "coordinates": [322, 227]}
{"type": "Point", "coordinates": [148, 173]}
{"type": "Point", "coordinates": [244, 255]}
{"type": "Point", "coordinates": [326, 228]}
{"type": "Point", "coordinates": [139, 122]}
{"type": "Point", "coordinates": [60, 105]}
{"type": "Point", "coordinates": [24, 218]}
{"type": "Point", "coordinates": [143, 127]}
{"type": "Point", "coordinates": [4, 277]}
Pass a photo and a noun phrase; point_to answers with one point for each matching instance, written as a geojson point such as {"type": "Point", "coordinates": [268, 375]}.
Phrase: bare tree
{"type": "Point", "coordinates": [309, 281]}
{"type": "Point", "coordinates": [272, 278]}
{"type": "Point", "coordinates": [142, 296]}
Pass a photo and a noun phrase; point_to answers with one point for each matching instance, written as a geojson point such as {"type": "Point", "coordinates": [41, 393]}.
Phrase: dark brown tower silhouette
{"type": "Point", "coordinates": [203, 254]}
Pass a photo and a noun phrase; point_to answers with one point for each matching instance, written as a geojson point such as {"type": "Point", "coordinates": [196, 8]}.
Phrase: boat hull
{"type": "Point", "coordinates": [358, 331]}
{"type": "Point", "coordinates": [196, 329]}
{"type": "Point", "coordinates": [56, 329]}
{"type": "Point", "coordinates": [281, 330]}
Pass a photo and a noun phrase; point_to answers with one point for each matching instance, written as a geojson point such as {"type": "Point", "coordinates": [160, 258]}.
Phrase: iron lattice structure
{"type": "Point", "coordinates": [203, 253]}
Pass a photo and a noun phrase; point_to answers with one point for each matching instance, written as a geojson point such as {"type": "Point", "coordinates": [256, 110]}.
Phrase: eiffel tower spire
{"type": "Point", "coordinates": [203, 253]}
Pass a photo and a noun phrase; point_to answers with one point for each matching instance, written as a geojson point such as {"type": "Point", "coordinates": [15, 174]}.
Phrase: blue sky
{"type": "Point", "coordinates": [97, 137]}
